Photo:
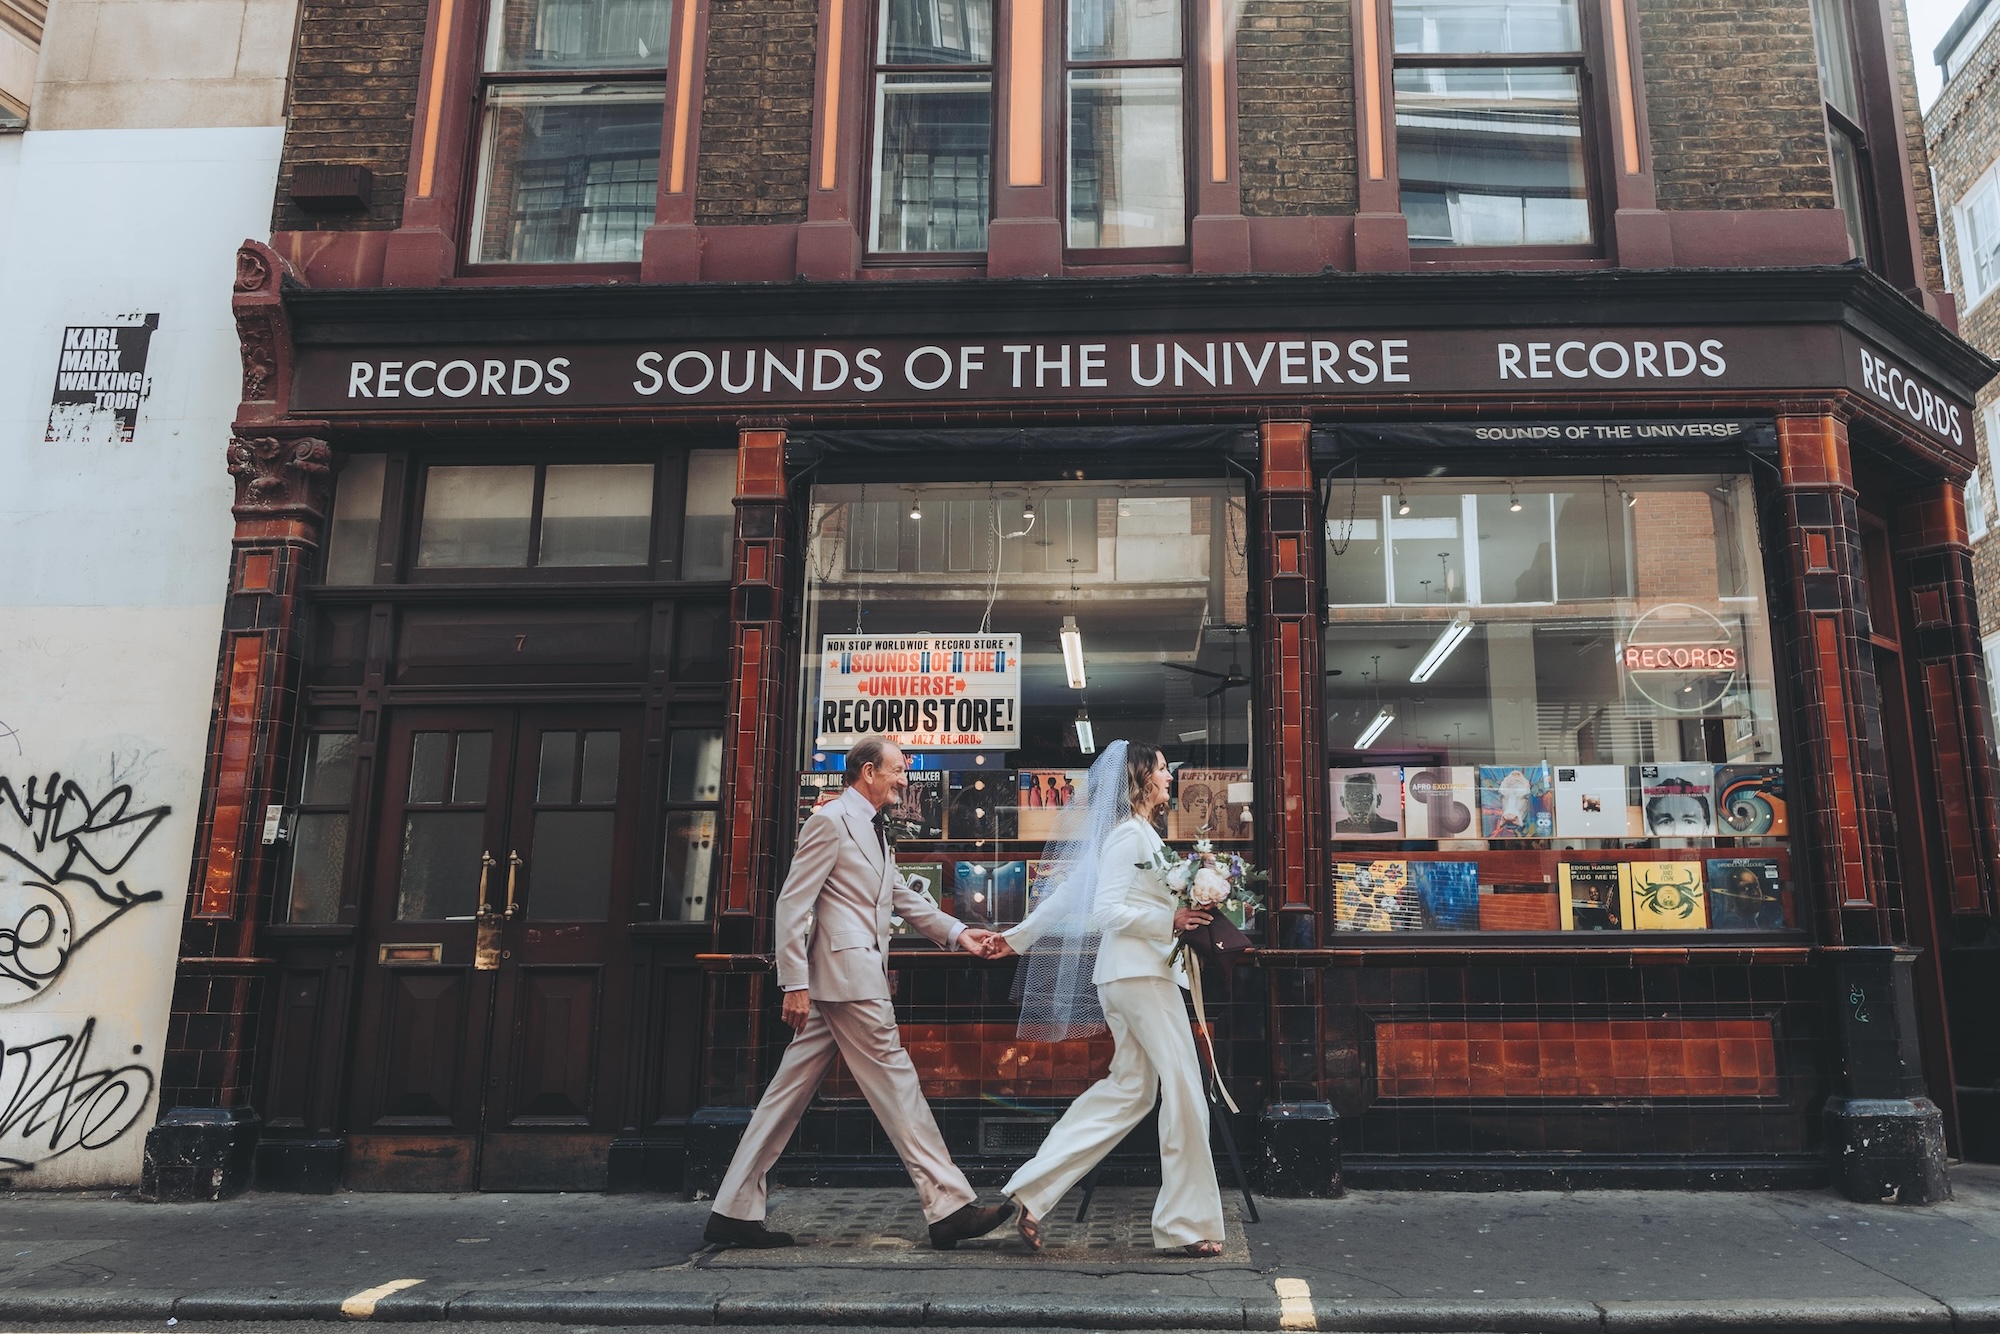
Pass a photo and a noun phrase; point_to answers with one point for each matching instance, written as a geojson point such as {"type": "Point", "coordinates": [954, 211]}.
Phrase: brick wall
{"type": "Point", "coordinates": [1295, 108]}
{"type": "Point", "coordinates": [354, 94]}
{"type": "Point", "coordinates": [1963, 133]}
{"type": "Point", "coordinates": [1732, 89]}
{"type": "Point", "coordinates": [756, 111]}
{"type": "Point", "coordinates": [1920, 171]}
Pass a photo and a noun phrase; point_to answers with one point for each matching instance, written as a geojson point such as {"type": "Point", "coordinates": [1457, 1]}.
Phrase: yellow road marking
{"type": "Point", "coordinates": [361, 1306]}
{"type": "Point", "coordinates": [1295, 1305]}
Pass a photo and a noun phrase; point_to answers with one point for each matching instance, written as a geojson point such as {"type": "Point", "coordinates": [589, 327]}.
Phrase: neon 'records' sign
{"type": "Point", "coordinates": [1680, 659]}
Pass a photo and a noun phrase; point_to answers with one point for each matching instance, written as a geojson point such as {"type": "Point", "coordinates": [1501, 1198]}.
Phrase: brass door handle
{"type": "Point", "coordinates": [486, 865]}
{"type": "Point", "coordinates": [514, 865]}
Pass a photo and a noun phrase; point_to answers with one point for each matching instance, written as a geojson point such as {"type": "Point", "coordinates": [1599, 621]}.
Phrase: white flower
{"type": "Point", "coordinates": [1210, 887]}
{"type": "Point", "coordinates": [1204, 847]}
{"type": "Point", "coordinates": [1177, 879]}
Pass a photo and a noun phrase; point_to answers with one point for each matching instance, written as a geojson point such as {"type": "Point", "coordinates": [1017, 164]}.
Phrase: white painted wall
{"type": "Point", "coordinates": [115, 562]}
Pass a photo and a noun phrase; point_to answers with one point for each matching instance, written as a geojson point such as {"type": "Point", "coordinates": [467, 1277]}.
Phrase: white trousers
{"type": "Point", "coordinates": [865, 1033]}
{"type": "Point", "coordinates": [1154, 1057]}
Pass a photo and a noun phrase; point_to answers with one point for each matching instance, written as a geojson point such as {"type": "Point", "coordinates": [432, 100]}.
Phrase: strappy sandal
{"type": "Point", "coordinates": [1202, 1250]}
{"type": "Point", "coordinates": [1030, 1229]}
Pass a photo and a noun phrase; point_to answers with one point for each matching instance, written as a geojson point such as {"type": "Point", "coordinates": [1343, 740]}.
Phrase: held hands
{"type": "Point", "coordinates": [796, 1009]}
{"type": "Point", "coordinates": [986, 944]}
{"type": "Point", "coordinates": [1186, 919]}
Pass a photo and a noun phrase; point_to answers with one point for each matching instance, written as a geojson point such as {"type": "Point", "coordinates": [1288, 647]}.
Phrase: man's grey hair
{"type": "Point", "coordinates": [868, 750]}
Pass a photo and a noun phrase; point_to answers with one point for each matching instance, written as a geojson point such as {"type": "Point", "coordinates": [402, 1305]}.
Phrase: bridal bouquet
{"type": "Point", "coordinates": [1215, 883]}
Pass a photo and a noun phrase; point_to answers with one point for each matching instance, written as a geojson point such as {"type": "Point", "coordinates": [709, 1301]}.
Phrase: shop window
{"type": "Point", "coordinates": [572, 97]}
{"type": "Point", "coordinates": [1123, 126]}
{"type": "Point", "coordinates": [1147, 581]}
{"type": "Point", "coordinates": [576, 808]}
{"type": "Point", "coordinates": [708, 531]}
{"type": "Point", "coordinates": [933, 125]}
{"type": "Point", "coordinates": [1490, 139]}
{"type": "Point", "coordinates": [549, 516]}
{"type": "Point", "coordinates": [1550, 708]}
{"type": "Point", "coordinates": [693, 808]}
{"type": "Point", "coordinates": [1978, 220]}
{"type": "Point", "coordinates": [315, 866]}
{"type": "Point", "coordinates": [1847, 142]}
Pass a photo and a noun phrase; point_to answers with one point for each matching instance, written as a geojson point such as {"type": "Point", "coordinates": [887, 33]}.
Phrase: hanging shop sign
{"type": "Point", "coordinates": [1290, 364]}
{"type": "Point", "coordinates": [928, 692]}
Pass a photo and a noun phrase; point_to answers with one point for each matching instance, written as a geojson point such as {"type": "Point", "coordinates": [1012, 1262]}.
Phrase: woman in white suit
{"type": "Point", "coordinates": [1112, 920]}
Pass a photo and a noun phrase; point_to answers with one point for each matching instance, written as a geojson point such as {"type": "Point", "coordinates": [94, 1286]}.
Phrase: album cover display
{"type": "Point", "coordinates": [1594, 801]}
{"type": "Point", "coordinates": [919, 816]}
{"type": "Point", "coordinates": [1666, 896]}
{"type": "Point", "coordinates": [982, 808]}
{"type": "Point", "coordinates": [1374, 896]}
{"type": "Point", "coordinates": [1448, 893]}
{"type": "Point", "coordinates": [1677, 800]}
{"type": "Point", "coordinates": [1043, 795]}
{"type": "Point", "coordinates": [1750, 801]}
{"type": "Point", "coordinates": [1204, 807]}
{"type": "Point", "coordinates": [1514, 801]}
{"type": "Point", "coordinates": [1367, 803]}
{"type": "Point", "coordinates": [1593, 895]}
{"type": "Point", "coordinates": [1744, 893]}
{"type": "Point", "coordinates": [927, 878]}
{"type": "Point", "coordinates": [1440, 802]}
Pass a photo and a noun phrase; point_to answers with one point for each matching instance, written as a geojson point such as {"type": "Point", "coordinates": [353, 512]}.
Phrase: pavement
{"type": "Point", "coordinates": [1416, 1263]}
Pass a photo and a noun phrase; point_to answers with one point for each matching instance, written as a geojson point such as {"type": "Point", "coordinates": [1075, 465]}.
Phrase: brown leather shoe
{"type": "Point", "coordinates": [751, 1234]}
{"type": "Point", "coordinates": [973, 1220]}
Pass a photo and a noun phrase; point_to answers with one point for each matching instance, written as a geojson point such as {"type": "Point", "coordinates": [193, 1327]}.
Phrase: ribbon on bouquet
{"type": "Point", "coordinates": [1201, 1021]}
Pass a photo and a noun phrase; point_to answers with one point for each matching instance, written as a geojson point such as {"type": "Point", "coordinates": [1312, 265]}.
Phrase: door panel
{"type": "Point", "coordinates": [494, 965]}
{"type": "Point", "coordinates": [552, 1081]}
{"type": "Point", "coordinates": [427, 1042]}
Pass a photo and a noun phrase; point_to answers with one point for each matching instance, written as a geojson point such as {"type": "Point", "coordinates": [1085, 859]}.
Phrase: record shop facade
{"type": "Point", "coordinates": [1590, 659]}
{"type": "Point", "coordinates": [1518, 484]}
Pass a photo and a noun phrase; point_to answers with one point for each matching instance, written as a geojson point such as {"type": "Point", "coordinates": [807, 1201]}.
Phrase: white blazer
{"type": "Point", "coordinates": [832, 920]}
{"type": "Point", "coordinates": [1134, 911]}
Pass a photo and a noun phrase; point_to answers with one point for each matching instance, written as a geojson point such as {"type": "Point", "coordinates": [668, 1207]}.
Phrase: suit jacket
{"type": "Point", "coordinates": [1133, 912]}
{"type": "Point", "coordinates": [833, 912]}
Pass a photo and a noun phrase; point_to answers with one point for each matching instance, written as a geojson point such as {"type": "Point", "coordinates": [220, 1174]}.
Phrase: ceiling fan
{"type": "Point", "coordinates": [1232, 679]}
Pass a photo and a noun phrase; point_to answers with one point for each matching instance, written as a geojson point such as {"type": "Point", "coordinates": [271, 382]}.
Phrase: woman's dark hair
{"type": "Point", "coordinates": [1140, 762]}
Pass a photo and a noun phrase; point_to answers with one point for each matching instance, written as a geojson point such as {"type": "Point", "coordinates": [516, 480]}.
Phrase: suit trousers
{"type": "Point", "coordinates": [1154, 1058]}
{"type": "Point", "coordinates": [864, 1032]}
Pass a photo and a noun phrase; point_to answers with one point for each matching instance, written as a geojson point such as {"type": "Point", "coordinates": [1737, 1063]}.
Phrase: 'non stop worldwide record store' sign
{"type": "Point", "coordinates": [924, 692]}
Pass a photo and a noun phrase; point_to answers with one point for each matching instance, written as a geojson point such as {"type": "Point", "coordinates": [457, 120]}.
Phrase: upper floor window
{"type": "Point", "coordinates": [1127, 182]}
{"type": "Point", "coordinates": [571, 96]}
{"type": "Point", "coordinates": [1847, 142]}
{"type": "Point", "coordinates": [1490, 140]}
{"type": "Point", "coordinates": [1123, 133]}
{"type": "Point", "coordinates": [1978, 221]}
{"type": "Point", "coordinates": [933, 125]}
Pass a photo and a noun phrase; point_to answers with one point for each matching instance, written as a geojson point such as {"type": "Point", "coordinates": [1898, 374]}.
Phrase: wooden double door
{"type": "Point", "coordinates": [490, 1049]}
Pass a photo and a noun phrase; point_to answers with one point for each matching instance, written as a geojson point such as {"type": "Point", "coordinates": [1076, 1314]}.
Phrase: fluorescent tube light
{"type": "Point", "coordinates": [1072, 647]}
{"type": "Point", "coordinates": [1086, 739]}
{"type": "Point", "coordinates": [1447, 643]}
{"type": "Point", "coordinates": [1375, 729]}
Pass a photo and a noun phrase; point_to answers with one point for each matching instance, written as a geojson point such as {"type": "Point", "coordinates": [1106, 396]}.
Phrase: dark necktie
{"type": "Point", "coordinates": [881, 830]}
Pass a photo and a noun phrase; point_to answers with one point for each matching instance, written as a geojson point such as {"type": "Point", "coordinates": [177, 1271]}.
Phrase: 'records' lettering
{"type": "Point", "coordinates": [488, 377]}
{"type": "Point", "coordinates": [1613, 359]}
{"type": "Point", "coordinates": [1911, 397]}
{"type": "Point", "coordinates": [1680, 658]}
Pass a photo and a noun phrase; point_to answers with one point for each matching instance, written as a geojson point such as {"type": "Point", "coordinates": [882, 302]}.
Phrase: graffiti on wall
{"type": "Point", "coordinates": [61, 854]}
{"type": "Point", "coordinates": [53, 1101]}
{"type": "Point", "coordinates": [65, 852]}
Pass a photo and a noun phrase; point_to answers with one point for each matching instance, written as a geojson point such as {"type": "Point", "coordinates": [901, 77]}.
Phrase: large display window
{"type": "Point", "coordinates": [1549, 708]}
{"type": "Point", "coordinates": [1002, 633]}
